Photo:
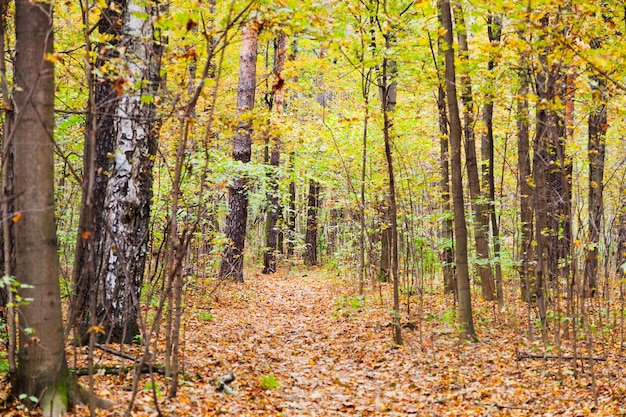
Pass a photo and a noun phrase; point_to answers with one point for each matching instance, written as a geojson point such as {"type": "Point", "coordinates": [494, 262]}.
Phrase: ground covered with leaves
{"type": "Point", "coordinates": [304, 344]}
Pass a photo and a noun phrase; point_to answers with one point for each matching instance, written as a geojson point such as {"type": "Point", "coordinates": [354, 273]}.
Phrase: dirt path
{"type": "Point", "coordinates": [332, 355]}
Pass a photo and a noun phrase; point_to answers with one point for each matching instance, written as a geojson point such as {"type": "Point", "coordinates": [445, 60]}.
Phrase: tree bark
{"type": "Point", "coordinates": [99, 145]}
{"type": "Point", "coordinates": [291, 212]}
{"type": "Point", "coordinates": [525, 189]}
{"type": "Point", "coordinates": [447, 231]}
{"type": "Point", "coordinates": [129, 187]}
{"type": "Point", "coordinates": [597, 150]}
{"type": "Point", "coordinates": [232, 260]}
{"type": "Point", "coordinates": [388, 97]}
{"type": "Point", "coordinates": [480, 211]}
{"type": "Point", "coordinates": [464, 317]}
{"type": "Point", "coordinates": [494, 29]}
{"type": "Point", "coordinates": [42, 371]}
{"type": "Point", "coordinates": [271, 229]}
{"type": "Point", "coordinates": [310, 241]}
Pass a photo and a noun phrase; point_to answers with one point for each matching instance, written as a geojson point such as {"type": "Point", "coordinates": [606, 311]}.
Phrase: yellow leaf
{"type": "Point", "coordinates": [96, 329]}
{"type": "Point", "coordinates": [17, 217]}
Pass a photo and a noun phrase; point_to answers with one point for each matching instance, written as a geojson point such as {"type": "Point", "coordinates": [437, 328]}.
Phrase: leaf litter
{"type": "Point", "coordinates": [294, 344]}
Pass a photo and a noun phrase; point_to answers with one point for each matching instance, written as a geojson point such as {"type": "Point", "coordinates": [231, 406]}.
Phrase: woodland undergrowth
{"type": "Point", "coordinates": [303, 343]}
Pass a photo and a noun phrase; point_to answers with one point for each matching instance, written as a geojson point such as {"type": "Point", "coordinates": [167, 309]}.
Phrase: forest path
{"type": "Point", "coordinates": [332, 355]}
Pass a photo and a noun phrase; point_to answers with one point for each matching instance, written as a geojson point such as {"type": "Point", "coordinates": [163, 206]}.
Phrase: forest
{"type": "Point", "coordinates": [312, 208]}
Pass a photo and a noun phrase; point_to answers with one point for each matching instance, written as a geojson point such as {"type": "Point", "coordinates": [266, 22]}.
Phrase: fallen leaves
{"type": "Point", "coordinates": [307, 346]}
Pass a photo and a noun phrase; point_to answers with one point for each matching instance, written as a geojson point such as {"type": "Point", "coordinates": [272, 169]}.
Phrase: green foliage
{"type": "Point", "coordinates": [205, 315]}
{"type": "Point", "coordinates": [346, 305]}
{"type": "Point", "coordinates": [269, 382]}
{"type": "Point", "coordinates": [149, 387]}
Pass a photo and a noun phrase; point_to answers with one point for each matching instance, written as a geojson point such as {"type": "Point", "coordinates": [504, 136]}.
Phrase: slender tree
{"type": "Point", "coordinates": [232, 261]}
{"type": "Point", "coordinates": [447, 228]}
{"type": "Point", "coordinates": [494, 32]}
{"type": "Point", "coordinates": [479, 210]}
{"type": "Point", "coordinates": [597, 150]}
{"type": "Point", "coordinates": [460, 228]}
{"type": "Point", "coordinates": [271, 228]}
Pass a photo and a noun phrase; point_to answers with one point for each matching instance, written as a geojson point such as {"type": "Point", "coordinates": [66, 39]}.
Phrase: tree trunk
{"type": "Point", "coordinates": [99, 145]}
{"type": "Point", "coordinates": [310, 241]}
{"type": "Point", "coordinates": [388, 98]}
{"type": "Point", "coordinates": [232, 261]}
{"type": "Point", "coordinates": [271, 229]}
{"type": "Point", "coordinates": [129, 187]}
{"type": "Point", "coordinates": [494, 29]}
{"type": "Point", "coordinates": [480, 212]}
{"type": "Point", "coordinates": [597, 150]}
{"type": "Point", "coordinates": [525, 189]}
{"type": "Point", "coordinates": [42, 371]}
{"type": "Point", "coordinates": [447, 232]}
{"type": "Point", "coordinates": [466, 331]}
{"type": "Point", "coordinates": [291, 212]}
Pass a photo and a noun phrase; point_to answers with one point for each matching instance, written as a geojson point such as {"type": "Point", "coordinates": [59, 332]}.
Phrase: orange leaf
{"type": "Point", "coordinates": [17, 217]}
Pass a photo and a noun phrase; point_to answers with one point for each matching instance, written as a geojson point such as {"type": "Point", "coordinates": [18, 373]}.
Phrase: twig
{"type": "Point", "coordinates": [505, 407]}
{"type": "Point", "coordinates": [116, 370]}
{"type": "Point", "coordinates": [524, 355]}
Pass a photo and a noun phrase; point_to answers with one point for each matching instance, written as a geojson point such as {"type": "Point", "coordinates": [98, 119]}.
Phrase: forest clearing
{"type": "Point", "coordinates": [303, 343]}
{"type": "Point", "coordinates": [312, 207]}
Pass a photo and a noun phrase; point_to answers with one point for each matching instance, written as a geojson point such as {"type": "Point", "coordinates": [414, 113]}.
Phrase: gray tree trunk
{"type": "Point", "coordinates": [232, 261]}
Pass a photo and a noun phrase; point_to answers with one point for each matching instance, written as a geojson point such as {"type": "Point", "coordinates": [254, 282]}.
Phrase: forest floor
{"type": "Point", "coordinates": [303, 344]}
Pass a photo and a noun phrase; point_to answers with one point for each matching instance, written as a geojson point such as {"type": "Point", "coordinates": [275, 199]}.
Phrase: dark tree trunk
{"type": "Point", "coordinates": [272, 230]}
{"type": "Point", "coordinates": [480, 211]}
{"type": "Point", "coordinates": [100, 137]}
{"type": "Point", "coordinates": [385, 246]}
{"type": "Point", "coordinates": [291, 215]}
{"type": "Point", "coordinates": [487, 145]}
{"type": "Point", "coordinates": [232, 261]}
{"type": "Point", "coordinates": [525, 189]}
{"type": "Point", "coordinates": [597, 150]}
{"type": "Point", "coordinates": [310, 241]}
{"type": "Point", "coordinates": [388, 98]}
{"type": "Point", "coordinates": [466, 323]}
{"type": "Point", "coordinates": [42, 371]}
{"type": "Point", "coordinates": [447, 231]}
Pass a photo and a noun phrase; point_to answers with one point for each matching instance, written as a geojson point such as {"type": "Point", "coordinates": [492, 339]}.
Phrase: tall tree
{"type": "Point", "coordinates": [232, 261]}
{"type": "Point", "coordinates": [524, 181]}
{"type": "Point", "coordinates": [480, 211]}
{"type": "Point", "coordinates": [129, 188]}
{"type": "Point", "coordinates": [99, 145]}
{"type": "Point", "coordinates": [494, 32]}
{"type": "Point", "coordinates": [460, 228]}
{"type": "Point", "coordinates": [388, 89]}
{"type": "Point", "coordinates": [597, 149]}
{"type": "Point", "coordinates": [447, 230]}
{"type": "Point", "coordinates": [271, 229]}
{"type": "Point", "coordinates": [42, 371]}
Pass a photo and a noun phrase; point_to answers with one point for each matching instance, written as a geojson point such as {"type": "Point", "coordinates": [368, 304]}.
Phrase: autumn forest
{"type": "Point", "coordinates": [313, 208]}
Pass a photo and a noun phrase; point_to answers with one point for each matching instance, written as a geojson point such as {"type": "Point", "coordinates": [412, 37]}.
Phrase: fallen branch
{"type": "Point", "coordinates": [116, 370]}
{"type": "Point", "coordinates": [524, 355]}
{"type": "Point", "coordinates": [503, 407]}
